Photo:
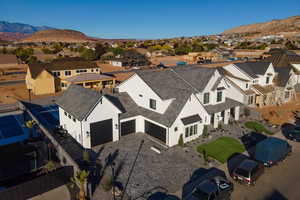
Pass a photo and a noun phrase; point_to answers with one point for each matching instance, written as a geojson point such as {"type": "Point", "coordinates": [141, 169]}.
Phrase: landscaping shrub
{"type": "Point", "coordinates": [205, 133]}
{"type": "Point", "coordinates": [180, 141]}
{"type": "Point", "coordinates": [257, 127]}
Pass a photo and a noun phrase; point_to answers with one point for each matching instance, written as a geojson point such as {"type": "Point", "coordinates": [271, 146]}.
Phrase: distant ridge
{"type": "Point", "coordinates": [9, 27]}
{"type": "Point", "coordinates": [57, 35]}
{"type": "Point", "coordinates": [288, 25]}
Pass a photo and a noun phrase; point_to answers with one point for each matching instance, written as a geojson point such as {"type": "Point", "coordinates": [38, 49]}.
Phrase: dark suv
{"type": "Point", "coordinates": [248, 171]}
{"type": "Point", "coordinates": [213, 187]}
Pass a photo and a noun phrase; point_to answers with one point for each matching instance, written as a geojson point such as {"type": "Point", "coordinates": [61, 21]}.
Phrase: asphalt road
{"type": "Point", "coordinates": [279, 182]}
{"type": "Point", "coordinates": [6, 83]}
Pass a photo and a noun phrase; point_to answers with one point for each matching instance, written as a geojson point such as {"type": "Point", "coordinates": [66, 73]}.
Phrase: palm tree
{"type": "Point", "coordinates": [81, 179]}
{"type": "Point", "coordinates": [29, 124]}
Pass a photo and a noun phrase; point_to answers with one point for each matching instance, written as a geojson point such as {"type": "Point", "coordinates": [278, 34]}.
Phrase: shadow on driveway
{"type": "Point", "coordinates": [275, 195]}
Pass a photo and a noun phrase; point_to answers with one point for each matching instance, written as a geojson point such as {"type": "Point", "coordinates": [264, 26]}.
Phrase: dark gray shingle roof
{"type": "Point", "coordinates": [167, 119]}
{"type": "Point", "coordinates": [78, 101]}
{"type": "Point", "coordinates": [283, 75]}
{"type": "Point", "coordinates": [253, 68]}
{"type": "Point", "coordinates": [229, 103]}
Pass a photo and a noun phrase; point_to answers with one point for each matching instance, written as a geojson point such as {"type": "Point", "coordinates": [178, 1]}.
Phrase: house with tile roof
{"type": "Point", "coordinates": [260, 83]}
{"type": "Point", "coordinates": [164, 104]}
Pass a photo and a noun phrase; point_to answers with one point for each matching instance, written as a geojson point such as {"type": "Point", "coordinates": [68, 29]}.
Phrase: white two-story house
{"type": "Point", "coordinates": [164, 104]}
{"type": "Point", "coordinates": [259, 83]}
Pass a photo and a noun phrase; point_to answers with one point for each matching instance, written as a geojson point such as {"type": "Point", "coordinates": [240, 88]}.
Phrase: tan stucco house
{"type": "Point", "coordinates": [48, 78]}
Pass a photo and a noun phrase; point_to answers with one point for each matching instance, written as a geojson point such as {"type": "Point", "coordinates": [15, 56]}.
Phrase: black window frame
{"type": "Point", "coordinates": [152, 104]}
{"type": "Point", "coordinates": [206, 97]}
{"type": "Point", "coordinates": [221, 96]}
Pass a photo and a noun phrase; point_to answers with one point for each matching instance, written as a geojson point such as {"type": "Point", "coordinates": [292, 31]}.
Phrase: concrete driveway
{"type": "Point", "coordinates": [166, 171]}
{"type": "Point", "coordinates": [279, 182]}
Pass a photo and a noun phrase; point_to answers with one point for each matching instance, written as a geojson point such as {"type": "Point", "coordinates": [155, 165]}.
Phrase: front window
{"type": "Point", "coordinates": [219, 96]}
{"type": "Point", "coordinates": [250, 100]}
{"type": "Point", "coordinates": [56, 74]}
{"type": "Point", "coordinates": [246, 85]}
{"type": "Point", "coordinates": [191, 130]}
{"type": "Point", "coordinates": [267, 80]}
{"type": "Point", "coordinates": [206, 98]}
{"type": "Point", "coordinates": [67, 73]}
{"type": "Point", "coordinates": [152, 104]}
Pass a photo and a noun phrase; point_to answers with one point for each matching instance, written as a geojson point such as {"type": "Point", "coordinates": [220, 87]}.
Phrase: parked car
{"type": "Point", "coordinates": [294, 135]}
{"type": "Point", "coordinates": [211, 186]}
{"type": "Point", "coordinates": [272, 150]}
{"type": "Point", "coordinates": [248, 171]}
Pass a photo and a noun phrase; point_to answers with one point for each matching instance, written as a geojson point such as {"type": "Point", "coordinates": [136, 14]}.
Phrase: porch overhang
{"type": "Point", "coordinates": [191, 119]}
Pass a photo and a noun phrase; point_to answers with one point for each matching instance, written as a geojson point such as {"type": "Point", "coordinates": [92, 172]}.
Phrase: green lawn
{"type": "Point", "coordinates": [257, 127]}
{"type": "Point", "coordinates": [221, 149]}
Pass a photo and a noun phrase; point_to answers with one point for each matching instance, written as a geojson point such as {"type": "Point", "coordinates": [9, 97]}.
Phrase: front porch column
{"type": "Point", "coordinates": [237, 113]}
{"type": "Point", "coordinates": [226, 116]}
{"type": "Point", "coordinates": [217, 117]}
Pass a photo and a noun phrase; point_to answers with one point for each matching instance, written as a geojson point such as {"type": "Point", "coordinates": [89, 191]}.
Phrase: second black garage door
{"type": "Point", "coordinates": [101, 132]}
{"type": "Point", "coordinates": [127, 127]}
{"type": "Point", "coordinates": [156, 131]}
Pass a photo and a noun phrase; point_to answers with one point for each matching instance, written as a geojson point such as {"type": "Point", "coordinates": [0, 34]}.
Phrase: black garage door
{"type": "Point", "coordinates": [101, 132]}
{"type": "Point", "coordinates": [155, 131]}
{"type": "Point", "coordinates": [127, 127]}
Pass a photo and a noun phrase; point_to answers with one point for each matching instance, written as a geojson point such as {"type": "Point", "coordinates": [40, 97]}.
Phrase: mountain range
{"type": "Point", "coordinates": [28, 33]}
{"type": "Point", "coordinates": [21, 28]}
{"type": "Point", "coordinates": [288, 27]}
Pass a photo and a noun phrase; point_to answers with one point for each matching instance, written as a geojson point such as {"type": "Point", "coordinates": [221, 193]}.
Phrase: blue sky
{"type": "Point", "coordinates": [146, 19]}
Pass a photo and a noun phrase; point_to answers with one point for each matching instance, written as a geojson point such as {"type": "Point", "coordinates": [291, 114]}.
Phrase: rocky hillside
{"type": "Point", "coordinates": [5, 36]}
{"type": "Point", "coordinates": [288, 25]}
{"type": "Point", "coordinates": [57, 35]}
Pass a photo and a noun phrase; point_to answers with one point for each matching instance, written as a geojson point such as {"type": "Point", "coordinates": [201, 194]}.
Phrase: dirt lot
{"type": "Point", "coordinates": [10, 93]}
{"type": "Point", "coordinates": [279, 115]}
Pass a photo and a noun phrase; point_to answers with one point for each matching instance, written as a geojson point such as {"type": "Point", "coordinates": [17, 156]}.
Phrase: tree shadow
{"type": "Point", "coordinates": [234, 160]}
{"type": "Point", "coordinates": [250, 140]}
{"type": "Point", "coordinates": [275, 195]}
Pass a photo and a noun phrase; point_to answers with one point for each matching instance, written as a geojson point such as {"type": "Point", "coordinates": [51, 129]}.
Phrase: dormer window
{"type": "Point", "coordinates": [206, 98]}
{"type": "Point", "coordinates": [152, 104]}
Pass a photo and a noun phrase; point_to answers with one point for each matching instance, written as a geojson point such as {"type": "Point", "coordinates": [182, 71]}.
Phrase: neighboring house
{"type": "Point", "coordinates": [119, 62]}
{"type": "Point", "coordinates": [7, 61]}
{"type": "Point", "coordinates": [45, 78]}
{"type": "Point", "coordinates": [165, 105]}
{"type": "Point", "coordinates": [253, 83]}
{"type": "Point", "coordinates": [88, 116]}
{"type": "Point", "coordinates": [90, 80]}
{"type": "Point", "coordinates": [285, 59]}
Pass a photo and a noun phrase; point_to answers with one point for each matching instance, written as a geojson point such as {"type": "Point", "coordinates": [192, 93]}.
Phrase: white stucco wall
{"type": "Point", "coordinates": [141, 93]}
{"type": "Point", "coordinates": [192, 107]}
{"type": "Point", "coordinates": [102, 111]}
{"type": "Point", "coordinates": [73, 128]}
{"type": "Point", "coordinates": [262, 79]}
